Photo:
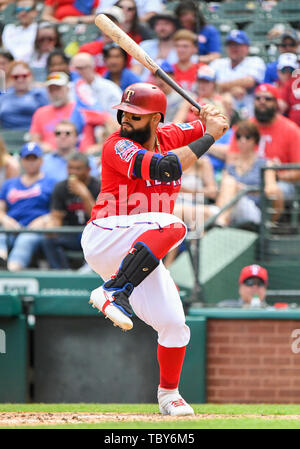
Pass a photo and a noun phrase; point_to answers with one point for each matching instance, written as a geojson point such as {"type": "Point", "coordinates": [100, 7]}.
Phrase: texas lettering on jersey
{"type": "Point", "coordinates": [124, 194]}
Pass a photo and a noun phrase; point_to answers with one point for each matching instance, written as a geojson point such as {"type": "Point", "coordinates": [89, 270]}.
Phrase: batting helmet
{"type": "Point", "coordinates": [142, 98]}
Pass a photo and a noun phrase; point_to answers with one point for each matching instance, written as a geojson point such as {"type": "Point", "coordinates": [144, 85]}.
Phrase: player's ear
{"type": "Point", "coordinates": [156, 118]}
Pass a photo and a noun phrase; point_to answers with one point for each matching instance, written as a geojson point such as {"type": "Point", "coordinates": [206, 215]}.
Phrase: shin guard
{"type": "Point", "coordinates": [135, 267]}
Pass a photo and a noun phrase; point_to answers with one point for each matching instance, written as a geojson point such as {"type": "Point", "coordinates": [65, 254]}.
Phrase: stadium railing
{"type": "Point", "coordinates": [282, 238]}
{"type": "Point", "coordinates": [193, 240]}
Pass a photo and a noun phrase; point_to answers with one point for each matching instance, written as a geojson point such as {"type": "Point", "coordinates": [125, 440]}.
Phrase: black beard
{"type": "Point", "coordinates": [137, 135]}
{"type": "Point", "coordinates": [265, 116]}
{"type": "Point", "coordinates": [166, 38]}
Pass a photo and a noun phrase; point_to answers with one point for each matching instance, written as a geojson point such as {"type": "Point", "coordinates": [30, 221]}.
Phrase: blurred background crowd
{"type": "Point", "coordinates": [60, 78]}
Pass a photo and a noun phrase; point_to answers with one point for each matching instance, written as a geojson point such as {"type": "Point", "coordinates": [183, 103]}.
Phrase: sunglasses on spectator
{"type": "Point", "coordinates": [247, 137]}
{"type": "Point", "coordinates": [287, 70]}
{"type": "Point", "coordinates": [20, 75]}
{"type": "Point", "coordinates": [23, 8]}
{"type": "Point", "coordinates": [127, 8]}
{"type": "Point", "coordinates": [251, 281]}
{"type": "Point", "coordinates": [59, 133]}
{"type": "Point", "coordinates": [46, 38]}
{"type": "Point", "coordinates": [262, 97]}
{"type": "Point", "coordinates": [287, 45]}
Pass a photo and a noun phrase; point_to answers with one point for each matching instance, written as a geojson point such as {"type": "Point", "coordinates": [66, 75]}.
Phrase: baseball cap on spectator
{"type": "Point", "coordinates": [29, 149]}
{"type": "Point", "coordinates": [57, 79]}
{"type": "Point", "coordinates": [167, 67]}
{"type": "Point", "coordinates": [115, 13]}
{"type": "Point", "coordinates": [206, 72]}
{"type": "Point", "coordinates": [251, 271]}
{"type": "Point", "coordinates": [237, 36]}
{"type": "Point", "coordinates": [291, 33]}
{"type": "Point", "coordinates": [265, 87]}
{"type": "Point", "coordinates": [287, 60]}
{"type": "Point", "coordinates": [165, 15]}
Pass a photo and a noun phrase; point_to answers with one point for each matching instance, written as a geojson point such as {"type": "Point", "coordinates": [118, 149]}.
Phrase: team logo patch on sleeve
{"type": "Point", "coordinates": [184, 126]}
{"type": "Point", "coordinates": [126, 149]}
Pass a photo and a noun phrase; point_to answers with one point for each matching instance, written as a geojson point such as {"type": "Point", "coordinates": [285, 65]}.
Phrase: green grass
{"type": "Point", "coordinates": [241, 423]}
{"type": "Point", "coordinates": [234, 409]}
{"type": "Point", "coordinates": [222, 422]}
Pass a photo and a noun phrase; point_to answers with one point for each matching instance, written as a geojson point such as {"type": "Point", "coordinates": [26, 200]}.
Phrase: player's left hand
{"type": "Point", "coordinates": [208, 110]}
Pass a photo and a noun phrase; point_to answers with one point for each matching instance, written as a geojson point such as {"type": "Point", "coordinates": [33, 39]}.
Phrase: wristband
{"type": "Point", "coordinates": [200, 146]}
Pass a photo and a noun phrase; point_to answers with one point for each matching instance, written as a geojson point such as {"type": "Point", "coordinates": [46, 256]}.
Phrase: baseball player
{"type": "Point", "coordinates": [132, 227]}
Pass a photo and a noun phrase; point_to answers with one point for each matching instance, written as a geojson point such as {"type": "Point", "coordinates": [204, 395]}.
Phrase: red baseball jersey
{"type": "Point", "coordinates": [279, 140]}
{"type": "Point", "coordinates": [124, 194]}
{"type": "Point", "coordinates": [186, 78]}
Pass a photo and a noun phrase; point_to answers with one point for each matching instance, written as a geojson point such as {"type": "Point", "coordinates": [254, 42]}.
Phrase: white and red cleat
{"type": "Point", "coordinates": [104, 301]}
{"type": "Point", "coordinates": [171, 403]}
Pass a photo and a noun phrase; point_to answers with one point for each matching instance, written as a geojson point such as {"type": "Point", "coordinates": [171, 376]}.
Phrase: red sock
{"type": "Point", "coordinates": [170, 361]}
{"type": "Point", "coordinates": [160, 241]}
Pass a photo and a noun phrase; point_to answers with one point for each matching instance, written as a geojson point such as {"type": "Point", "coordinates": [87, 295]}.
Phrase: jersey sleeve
{"type": "Point", "coordinates": [120, 153]}
{"type": "Point", "coordinates": [176, 135]}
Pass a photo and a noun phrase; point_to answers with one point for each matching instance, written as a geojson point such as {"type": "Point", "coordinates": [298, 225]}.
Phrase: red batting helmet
{"type": "Point", "coordinates": [142, 98]}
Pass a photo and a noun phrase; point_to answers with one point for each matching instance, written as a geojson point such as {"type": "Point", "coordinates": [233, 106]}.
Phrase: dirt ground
{"type": "Point", "coordinates": [29, 418]}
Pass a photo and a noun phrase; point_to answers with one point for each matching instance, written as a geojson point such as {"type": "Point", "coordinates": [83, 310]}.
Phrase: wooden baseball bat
{"type": "Point", "coordinates": [131, 47]}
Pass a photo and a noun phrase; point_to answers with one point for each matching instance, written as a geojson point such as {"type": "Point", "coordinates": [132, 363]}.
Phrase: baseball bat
{"type": "Point", "coordinates": [131, 47]}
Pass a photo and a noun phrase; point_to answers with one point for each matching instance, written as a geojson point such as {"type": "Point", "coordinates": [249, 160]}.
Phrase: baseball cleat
{"type": "Point", "coordinates": [104, 301]}
{"type": "Point", "coordinates": [171, 403]}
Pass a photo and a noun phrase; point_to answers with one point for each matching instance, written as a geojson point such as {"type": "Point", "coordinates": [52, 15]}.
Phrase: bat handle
{"type": "Point", "coordinates": [178, 89]}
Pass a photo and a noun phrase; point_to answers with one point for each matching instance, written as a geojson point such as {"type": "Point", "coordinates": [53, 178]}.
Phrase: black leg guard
{"type": "Point", "coordinates": [135, 267]}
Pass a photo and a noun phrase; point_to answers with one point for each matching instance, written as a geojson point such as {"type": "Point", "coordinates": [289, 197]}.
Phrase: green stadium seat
{"type": "Point", "coordinates": [258, 48]}
{"type": "Point", "coordinates": [14, 139]}
{"type": "Point", "coordinates": [81, 33]}
{"type": "Point", "coordinates": [240, 12]}
{"type": "Point", "coordinates": [257, 31]}
{"type": "Point", "coordinates": [8, 15]}
{"type": "Point", "coordinates": [224, 26]}
{"type": "Point", "coordinates": [285, 11]}
{"type": "Point", "coordinates": [40, 9]}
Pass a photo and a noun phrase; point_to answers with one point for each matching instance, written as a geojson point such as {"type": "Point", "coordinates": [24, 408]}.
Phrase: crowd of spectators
{"type": "Point", "coordinates": [64, 101]}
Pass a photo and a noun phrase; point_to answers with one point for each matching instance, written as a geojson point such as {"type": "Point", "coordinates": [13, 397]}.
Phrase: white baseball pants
{"type": "Point", "coordinates": [156, 300]}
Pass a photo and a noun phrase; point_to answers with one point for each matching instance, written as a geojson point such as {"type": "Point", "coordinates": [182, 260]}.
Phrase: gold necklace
{"type": "Point", "coordinates": [157, 144]}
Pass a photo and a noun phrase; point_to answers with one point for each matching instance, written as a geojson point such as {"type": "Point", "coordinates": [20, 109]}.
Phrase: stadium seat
{"type": "Point", "coordinates": [80, 33]}
{"type": "Point", "coordinates": [13, 139]}
{"type": "Point", "coordinates": [257, 31]}
{"type": "Point", "coordinates": [40, 9]}
{"type": "Point", "coordinates": [8, 15]}
{"type": "Point", "coordinates": [258, 48]}
{"type": "Point", "coordinates": [285, 11]}
{"type": "Point", "coordinates": [240, 12]}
